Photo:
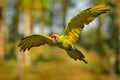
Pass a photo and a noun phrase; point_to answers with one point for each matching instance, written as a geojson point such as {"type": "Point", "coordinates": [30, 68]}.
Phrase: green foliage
{"type": "Point", "coordinates": [57, 70]}
{"type": "Point", "coordinates": [44, 12]}
{"type": "Point", "coordinates": [97, 2]}
{"type": "Point", "coordinates": [51, 65]}
{"type": "Point", "coordinates": [88, 39]}
{"type": "Point", "coordinates": [27, 3]}
{"type": "Point", "coordinates": [1, 12]}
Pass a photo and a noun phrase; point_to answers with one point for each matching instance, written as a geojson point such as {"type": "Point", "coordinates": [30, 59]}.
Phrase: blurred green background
{"type": "Point", "coordinates": [99, 41]}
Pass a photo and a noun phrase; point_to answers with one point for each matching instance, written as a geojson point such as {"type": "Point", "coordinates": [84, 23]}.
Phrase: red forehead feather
{"type": "Point", "coordinates": [53, 36]}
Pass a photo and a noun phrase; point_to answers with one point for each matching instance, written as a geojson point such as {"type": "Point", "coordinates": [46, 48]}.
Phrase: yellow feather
{"type": "Point", "coordinates": [76, 24]}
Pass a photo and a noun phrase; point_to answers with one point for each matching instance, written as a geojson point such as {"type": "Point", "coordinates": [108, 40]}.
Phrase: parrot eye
{"type": "Point", "coordinates": [54, 38]}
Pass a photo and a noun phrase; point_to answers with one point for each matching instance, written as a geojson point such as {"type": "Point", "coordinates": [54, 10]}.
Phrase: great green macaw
{"type": "Point", "coordinates": [69, 38]}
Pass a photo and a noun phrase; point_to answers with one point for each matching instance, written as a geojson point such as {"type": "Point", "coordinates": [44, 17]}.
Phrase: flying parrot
{"type": "Point", "coordinates": [69, 37]}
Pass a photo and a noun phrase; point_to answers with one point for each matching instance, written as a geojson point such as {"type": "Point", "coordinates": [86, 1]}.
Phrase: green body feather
{"type": "Point", "coordinates": [70, 36]}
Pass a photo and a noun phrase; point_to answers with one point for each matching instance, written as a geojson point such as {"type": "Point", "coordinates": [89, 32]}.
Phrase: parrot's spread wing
{"type": "Point", "coordinates": [76, 24]}
{"type": "Point", "coordinates": [34, 41]}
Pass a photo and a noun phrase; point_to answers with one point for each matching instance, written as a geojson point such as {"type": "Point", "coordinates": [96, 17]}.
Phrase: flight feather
{"type": "Point", "coordinates": [76, 24]}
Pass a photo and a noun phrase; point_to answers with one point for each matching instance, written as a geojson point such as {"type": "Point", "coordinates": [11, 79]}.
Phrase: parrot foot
{"type": "Point", "coordinates": [71, 48]}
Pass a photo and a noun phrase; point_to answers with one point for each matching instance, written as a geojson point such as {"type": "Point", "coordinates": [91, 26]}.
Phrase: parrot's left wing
{"type": "Point", "coordinates": [76, 24]}
{"type": "Point", "coordinates": [34, 41]}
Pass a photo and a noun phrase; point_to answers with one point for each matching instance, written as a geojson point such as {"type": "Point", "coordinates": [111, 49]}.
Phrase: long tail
{"type": "Point", "coordinates": [76, 54]}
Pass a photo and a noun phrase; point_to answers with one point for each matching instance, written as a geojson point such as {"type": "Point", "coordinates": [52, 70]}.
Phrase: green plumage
{"type": "Point", "coordinates": [70, 35]}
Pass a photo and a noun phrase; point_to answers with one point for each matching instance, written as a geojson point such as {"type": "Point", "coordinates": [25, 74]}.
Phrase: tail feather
{"type": "Point", "coordinates": [76, 54]}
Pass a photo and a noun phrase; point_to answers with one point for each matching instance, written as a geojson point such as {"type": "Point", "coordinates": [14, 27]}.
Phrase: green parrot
{"type": "Point", "coordinates": [69, 38]}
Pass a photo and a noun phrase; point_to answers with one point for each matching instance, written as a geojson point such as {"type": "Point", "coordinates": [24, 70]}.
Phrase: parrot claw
{"type": "Point", "coordinates": [72, 48]}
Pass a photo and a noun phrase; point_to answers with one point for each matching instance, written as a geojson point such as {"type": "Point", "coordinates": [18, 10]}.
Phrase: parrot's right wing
{"type": "Point", "coordinates": [34, 41]}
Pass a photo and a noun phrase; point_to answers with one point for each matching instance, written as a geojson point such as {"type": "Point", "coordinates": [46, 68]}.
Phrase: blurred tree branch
{"type": "Point", "coordinates": [116, 7]}
{"type": "Point", "coordinates": [2, 6]}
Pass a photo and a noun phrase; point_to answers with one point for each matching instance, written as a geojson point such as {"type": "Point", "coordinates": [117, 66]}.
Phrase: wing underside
{"type": "Point", "coordinates": [34, 41]}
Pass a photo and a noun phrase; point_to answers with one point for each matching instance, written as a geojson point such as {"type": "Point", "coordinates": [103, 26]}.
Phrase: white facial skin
{"type": "Point", "coordinates": [54, 39]}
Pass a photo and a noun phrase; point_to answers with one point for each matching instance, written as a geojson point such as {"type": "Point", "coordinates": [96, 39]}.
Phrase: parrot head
{"type": "Point", "coordinates": [55, 38]}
